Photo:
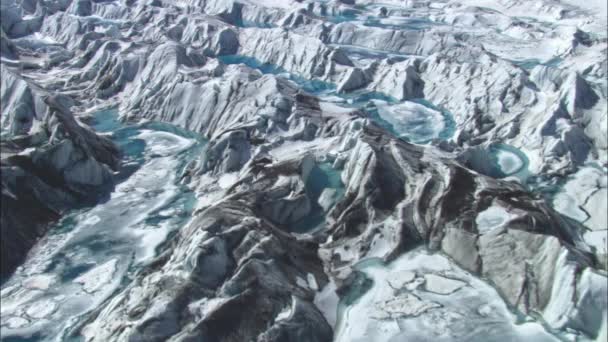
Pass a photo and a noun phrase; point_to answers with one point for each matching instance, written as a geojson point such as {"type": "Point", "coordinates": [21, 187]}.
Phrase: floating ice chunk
{"type": "Point", "coordinates": [417, 122]}
{"type": "Point", "coordinates": [509, 162]}
{"type": "Point", "coordinates": [95, 279]}
{"type": "Point", "coordinates": [402, 306]}
{"type": "Point", "coordinates": [441, 285]}
{"type": "Point", "coordinates": [398, 280]}
{"type": "Point", "coordinates": [38, 282]}
{"type": "Point", "coordinates": [434, 262]}
{"type": "Point", "coordinates": [41, 309]}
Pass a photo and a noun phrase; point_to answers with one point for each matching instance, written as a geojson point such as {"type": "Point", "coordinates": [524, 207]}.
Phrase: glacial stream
{"type": "Point", "coordinates": [91, 253]}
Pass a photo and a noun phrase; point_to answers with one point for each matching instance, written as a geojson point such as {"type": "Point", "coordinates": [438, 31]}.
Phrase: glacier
{"type": "Point", "coordinates": [304, 170]}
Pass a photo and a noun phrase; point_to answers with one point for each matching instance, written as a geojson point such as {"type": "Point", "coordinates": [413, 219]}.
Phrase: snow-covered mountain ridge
{"type": "Point", "coordinates": [264, 170]}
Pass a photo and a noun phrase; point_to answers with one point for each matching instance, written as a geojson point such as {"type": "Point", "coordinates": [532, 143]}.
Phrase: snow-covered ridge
{"type": "Point", "coordinates": [342, 139]}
